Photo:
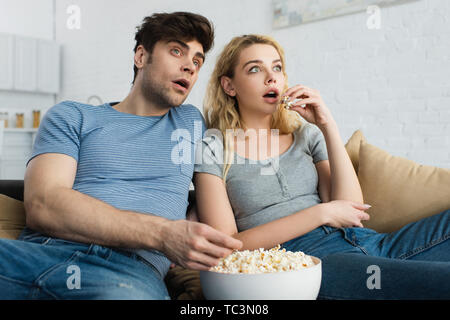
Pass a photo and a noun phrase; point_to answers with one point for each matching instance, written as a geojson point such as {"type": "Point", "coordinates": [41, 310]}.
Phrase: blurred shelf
{"type": "Point", "coordinates": [21, 130]}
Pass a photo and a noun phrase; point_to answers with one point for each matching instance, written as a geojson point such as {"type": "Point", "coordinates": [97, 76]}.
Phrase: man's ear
{"type": "Point", "coordinates": [140, 57]}
{"type": "Point", "coordinates": [227, 86]}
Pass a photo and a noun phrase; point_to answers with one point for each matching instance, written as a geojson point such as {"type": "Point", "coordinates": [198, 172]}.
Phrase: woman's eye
{"type": "Point", "coordinates": [254, 69]}
{"type": "Point", "coordinates": [277, 68]}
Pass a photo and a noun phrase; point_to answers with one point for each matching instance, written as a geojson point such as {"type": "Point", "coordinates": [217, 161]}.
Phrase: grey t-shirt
{"type": "Point", "coordinates": [261, 191]}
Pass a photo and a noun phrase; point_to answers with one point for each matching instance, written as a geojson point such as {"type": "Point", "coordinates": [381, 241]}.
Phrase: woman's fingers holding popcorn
{"type": "Point", "coordinates": [299, 90]}
{"type": "Point", "coordinates": [309, 104]}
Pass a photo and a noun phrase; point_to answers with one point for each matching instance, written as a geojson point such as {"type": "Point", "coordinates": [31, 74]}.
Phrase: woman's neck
{"type": "Point", "coordinates": [261, 123]}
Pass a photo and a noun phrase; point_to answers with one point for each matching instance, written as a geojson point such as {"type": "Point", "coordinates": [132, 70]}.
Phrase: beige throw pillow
{"type": "Point", "coordinates": [352, 148]}
{"type": "Point", "coordinates": [12, 217]}
{"type": "Point", "coordinates": [400, 190]}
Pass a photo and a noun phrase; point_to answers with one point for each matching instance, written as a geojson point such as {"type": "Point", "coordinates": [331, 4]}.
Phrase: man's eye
{"type": "Point", "coordinates": [176, 51]}
{"type": "Point", "coordinates": [254, 69]}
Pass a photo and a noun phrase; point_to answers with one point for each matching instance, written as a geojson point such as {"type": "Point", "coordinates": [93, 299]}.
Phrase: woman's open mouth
{"type": "Point", "coordinates": [271, 96]}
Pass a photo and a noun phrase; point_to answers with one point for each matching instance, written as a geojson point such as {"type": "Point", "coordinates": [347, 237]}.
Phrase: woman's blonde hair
{"type": "Point", "coordinates": [221, 111]}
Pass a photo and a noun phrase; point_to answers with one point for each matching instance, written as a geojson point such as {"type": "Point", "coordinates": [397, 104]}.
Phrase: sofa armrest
{"type": "Point", "coordinates": [12, 188]}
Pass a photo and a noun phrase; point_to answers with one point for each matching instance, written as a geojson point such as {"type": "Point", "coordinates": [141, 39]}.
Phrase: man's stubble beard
{"type": "Point", "coordinates": [154, 92]}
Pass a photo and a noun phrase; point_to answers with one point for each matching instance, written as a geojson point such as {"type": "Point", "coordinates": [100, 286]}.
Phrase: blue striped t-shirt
{"type": "Point", "coordinates": [136, 163]}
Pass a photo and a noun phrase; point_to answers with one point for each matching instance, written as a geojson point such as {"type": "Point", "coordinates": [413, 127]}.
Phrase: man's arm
{"type": "Point", "coordinates": [54, 208]}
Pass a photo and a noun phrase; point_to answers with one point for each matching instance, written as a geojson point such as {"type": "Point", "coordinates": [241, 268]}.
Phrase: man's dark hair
{"type": "Point", "coordinates": [183, 26]}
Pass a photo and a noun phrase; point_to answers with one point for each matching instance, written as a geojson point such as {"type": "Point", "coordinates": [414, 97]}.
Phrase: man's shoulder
{"type": "Point", "coordinates": [71, 106]}
{"type": "Point", "coordinates": [190, 111]}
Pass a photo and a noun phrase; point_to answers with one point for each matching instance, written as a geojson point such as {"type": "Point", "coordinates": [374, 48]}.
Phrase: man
{"type": "Point", "coordinates": [105, 200]}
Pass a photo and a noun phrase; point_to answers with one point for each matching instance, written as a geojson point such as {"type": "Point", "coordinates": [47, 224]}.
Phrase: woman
{"type": "Point", "coordinates": [298, 187]}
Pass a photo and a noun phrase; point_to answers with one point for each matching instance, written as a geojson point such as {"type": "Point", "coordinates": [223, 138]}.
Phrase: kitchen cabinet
{"type": "Point", "coordinates": [25, 64]}
{"type": "Point", "coordinates": [48, 63]}
{"type": "Point", "coordinates": [6, 61]}
{"type": "Point", "coordinates": [28, 64]}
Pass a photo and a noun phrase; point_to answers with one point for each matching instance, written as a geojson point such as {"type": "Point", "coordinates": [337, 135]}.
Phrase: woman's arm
{"type": "Point", "coordinates": [214, 209]}
{"type": "Point", "coordinates": [344, 184]}
{"type": "Point", "coordinates": [324, 188]}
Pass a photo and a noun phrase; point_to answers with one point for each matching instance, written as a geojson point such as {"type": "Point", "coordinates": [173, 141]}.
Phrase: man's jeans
{"type": "Point", "coordinates": [359, 263]}
{"type": "Point", "coordinates": [39, 267]}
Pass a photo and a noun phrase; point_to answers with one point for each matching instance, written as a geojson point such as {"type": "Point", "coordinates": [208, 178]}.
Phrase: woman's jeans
{"type": "Point", "coordinates": [38, 267]}
{"type": "Point", "coordinates": [359, 263]}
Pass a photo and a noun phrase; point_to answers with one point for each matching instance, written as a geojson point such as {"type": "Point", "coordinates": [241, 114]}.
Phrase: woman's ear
{"type": "Point", "coordinates": [227, 86]}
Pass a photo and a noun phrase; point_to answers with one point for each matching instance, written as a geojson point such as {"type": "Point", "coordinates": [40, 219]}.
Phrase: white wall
{"type": "Point", "coordinates": [392, 83]}
{"type": "Point", "coordinates": [29, 18]}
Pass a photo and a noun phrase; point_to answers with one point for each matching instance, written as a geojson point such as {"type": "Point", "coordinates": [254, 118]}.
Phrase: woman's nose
{"type": "Point", "coordinates": [270, 79]}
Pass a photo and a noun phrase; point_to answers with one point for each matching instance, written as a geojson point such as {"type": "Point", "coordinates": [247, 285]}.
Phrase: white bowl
{"type": "Point", "coordinates": [289, 285]}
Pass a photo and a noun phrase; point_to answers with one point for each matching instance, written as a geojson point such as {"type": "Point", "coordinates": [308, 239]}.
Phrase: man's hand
{"type": "Point", "coordinates": [195, 245]}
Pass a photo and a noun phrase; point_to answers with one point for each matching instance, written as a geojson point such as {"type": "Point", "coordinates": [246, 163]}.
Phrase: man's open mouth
{"type": "Point", "coordinates": [182, 83]}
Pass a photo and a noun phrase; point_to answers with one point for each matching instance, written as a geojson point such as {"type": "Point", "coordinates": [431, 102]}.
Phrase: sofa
{"type": "Point", "coordinates": [400, 191]}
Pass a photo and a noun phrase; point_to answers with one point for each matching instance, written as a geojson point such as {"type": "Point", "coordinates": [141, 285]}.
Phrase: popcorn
{"type": "Point", "coordinates": [287, 103]}
{"type": "Point", "coordinates": [263, 261]}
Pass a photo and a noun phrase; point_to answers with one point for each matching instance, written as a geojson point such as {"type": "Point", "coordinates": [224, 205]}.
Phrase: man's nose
{"type": "Point", "coordinates": [188, 66]}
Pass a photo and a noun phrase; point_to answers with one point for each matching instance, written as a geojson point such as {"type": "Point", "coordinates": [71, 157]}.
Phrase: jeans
{"type": "Point", "coordinates": [39, 267]}
{"type": "Point", "coordinates": [360, 263]}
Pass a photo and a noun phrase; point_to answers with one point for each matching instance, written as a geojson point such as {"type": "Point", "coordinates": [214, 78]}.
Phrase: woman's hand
{"type": "Point", "coordinates": [344, 214]}
{"type": "Point", "coordinates": [315, 110]}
